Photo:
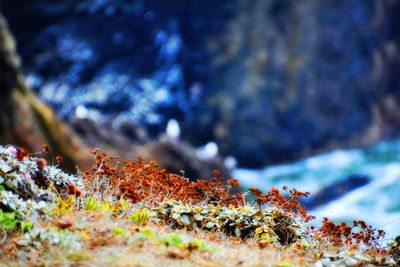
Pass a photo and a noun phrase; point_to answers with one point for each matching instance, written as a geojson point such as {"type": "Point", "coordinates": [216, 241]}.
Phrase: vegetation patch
{"type": "Point", "coordinates": [125, 213]}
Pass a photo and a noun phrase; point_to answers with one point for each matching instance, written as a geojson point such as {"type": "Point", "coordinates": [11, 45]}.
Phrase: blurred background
{"type": "Point", "coordinates": [272, 92]}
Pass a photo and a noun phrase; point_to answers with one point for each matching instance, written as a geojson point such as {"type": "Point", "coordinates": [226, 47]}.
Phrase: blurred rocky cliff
{"type": "Point", "coordinates": [269, 81]}
{"type": "Point", "coordinates": [26, 121]}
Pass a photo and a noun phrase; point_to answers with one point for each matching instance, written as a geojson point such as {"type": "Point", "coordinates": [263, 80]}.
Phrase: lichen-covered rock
{"type": "Point", "coordinates": [28, 189]}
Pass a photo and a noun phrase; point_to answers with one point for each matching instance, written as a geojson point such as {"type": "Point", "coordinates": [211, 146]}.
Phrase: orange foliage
{"type": "Point", "coordinates": [42, 163]}
{"type": "Point", "coordinates": [137, 181]}
{"type": "Point", "coordinates": [72, 190]}
{"type": "Point", "coordinates": [46, 149]}
{"type": "Point", "coordinates": [290, 204]}
{"type": "Point", "coordinates": [340, 234]}
{"type": "Point", "coordinates": [22, 153]}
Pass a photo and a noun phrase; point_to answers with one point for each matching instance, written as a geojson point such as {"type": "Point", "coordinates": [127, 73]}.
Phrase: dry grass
{"type": "Point", "coordinates": [103, 246]}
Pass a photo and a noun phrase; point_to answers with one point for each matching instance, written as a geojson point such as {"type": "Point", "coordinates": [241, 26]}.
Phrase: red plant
{"type": "Point", "coordinates": [46, 149]}
{"type": "Point", "coordinates": [234, 182]}
{"type": "Point", "coordinates": [42, 163]}
{"type": "Point", "coordinates": [290, 204]}
{"type": "Point", "coordinates": [22, 153]}
{"type": "Point", "coordinates": [342, 234]}
{"type": "Point", "coordinates": [59, 159]}
{"type": "Point", "coordinates": [139, 181]}
{"type": "Point", "coordinates": [72, 190]}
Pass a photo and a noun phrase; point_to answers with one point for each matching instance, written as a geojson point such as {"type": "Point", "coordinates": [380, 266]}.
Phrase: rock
{"type": "Point", "coordinates": [24, 185]}
{"type": "Point", "coordinates": [101, 134]}
{"type": "Point", "coordinates": [37, 123]}
{"type": "Point", "coordinates": [178, 157]}
{"type": "Point", "coordinates": [325, 262]}
{"type": "Point", "coordinates": [280, 97]}
{"type": "Point", "coordinates": [344, 258]}
{"type": "Point", "coordinates": [335, 190]}
{"type": "Point", "coordinates": [9, 72]}
{"type": "Point", "coordinates": [130, 142]}
{"type": "Point", "coordinates": [330, 255]}
{"type": "Point", "coordinates": [350, 261]}
{"type": "Point", "coordinates": [360, 257]}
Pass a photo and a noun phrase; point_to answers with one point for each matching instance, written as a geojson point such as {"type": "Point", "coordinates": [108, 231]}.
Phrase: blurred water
{"type": "Point", "coordinates": [378, 202]}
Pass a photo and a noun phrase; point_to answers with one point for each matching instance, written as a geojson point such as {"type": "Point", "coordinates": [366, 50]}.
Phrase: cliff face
{"type": "Point", "coordinates": [24, 119]}
{"type": "Point", "coordinates": [9, 66]}
{"type": "Point", "coordinates": [300, 76]}
{"type": "Point", "coordinates": [270, 81]}
{"type": "Point", "coordinates": [27, 121]}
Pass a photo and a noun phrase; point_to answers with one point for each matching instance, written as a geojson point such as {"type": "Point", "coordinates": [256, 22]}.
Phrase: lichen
{"type": "Point", "coordinates": [27, 189]}
{"type": "Point", "coordinates": [270, 225]}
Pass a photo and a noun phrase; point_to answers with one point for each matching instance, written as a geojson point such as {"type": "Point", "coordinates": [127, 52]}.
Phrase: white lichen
{"type": "Point", "coordinates": [19, 185]}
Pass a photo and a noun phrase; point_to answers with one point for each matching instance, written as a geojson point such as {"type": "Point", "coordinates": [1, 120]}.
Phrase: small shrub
{"type": "Point", "coordinates": [342, 234]}
{"type": "Point", "coordinates": [140, 181]}
{"type": "Point", "coordinates": [92, 204]}
{"type": "Point", "coordinates": [275, 198]}
{"type": "Point", "coordinates": [140, 217]}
